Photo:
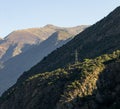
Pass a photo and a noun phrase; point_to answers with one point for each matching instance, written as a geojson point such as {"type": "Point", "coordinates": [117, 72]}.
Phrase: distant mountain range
{"type": "Point", "coordinates": [25, 48]}
{"type": "Point", "coordinates": [21, 40]}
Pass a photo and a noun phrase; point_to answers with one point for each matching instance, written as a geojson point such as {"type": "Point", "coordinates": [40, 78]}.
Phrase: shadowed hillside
{"type": "Point", "coordinates": [93, 83]}
{"type": "Point", "coordinates": [103, 37]}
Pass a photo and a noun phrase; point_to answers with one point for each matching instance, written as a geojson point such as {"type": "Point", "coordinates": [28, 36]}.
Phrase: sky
{"type": "Point", "coordinates": [21, 14]}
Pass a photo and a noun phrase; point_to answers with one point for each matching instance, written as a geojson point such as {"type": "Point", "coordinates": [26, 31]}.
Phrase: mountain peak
{"type": "Point", "coordinates": [50, 26]}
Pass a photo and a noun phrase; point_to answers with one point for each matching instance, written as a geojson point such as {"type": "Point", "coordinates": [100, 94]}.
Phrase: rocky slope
{"type": "Point", "coordinates": [17, 42]}
{"type": "Point", "coordinates": [15, 66]}
{"type": "Point", "coordinates": [21, 40]}
{"type": "Point", "coordinates": [92, 84]}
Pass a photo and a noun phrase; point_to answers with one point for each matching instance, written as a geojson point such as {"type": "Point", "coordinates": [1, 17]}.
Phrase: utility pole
{"type": "Point", "coordinates": [76, 56]}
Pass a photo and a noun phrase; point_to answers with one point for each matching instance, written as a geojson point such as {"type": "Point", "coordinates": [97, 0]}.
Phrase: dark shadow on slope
{"type": "Point", "coordinates": [107, 94]}
{"type": "Point", "coordinates": [8, 53]}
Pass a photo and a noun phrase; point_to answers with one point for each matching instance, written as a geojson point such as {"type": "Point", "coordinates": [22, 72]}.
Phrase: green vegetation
{"type": "Point", "coordinates": [65, 87]}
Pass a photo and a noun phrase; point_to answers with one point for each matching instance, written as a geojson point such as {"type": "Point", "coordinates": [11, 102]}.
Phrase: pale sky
{"type": "Point", "coordinates": [21, 14]}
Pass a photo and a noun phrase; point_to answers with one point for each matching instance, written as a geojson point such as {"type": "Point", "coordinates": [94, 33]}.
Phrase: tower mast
{"type": "Point", "coordinates": [76, 56]}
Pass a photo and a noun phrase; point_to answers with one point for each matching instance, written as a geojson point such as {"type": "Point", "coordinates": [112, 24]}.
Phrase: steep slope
{"type": "Point", "coordinates": [92, 84]}
{"type": "Point", "coordinates": [102, 37]}
{"type": "Point", "coordinates": [15, 66]}
{"type": "Point", "coordinates": [21, 40]}
{"type": "Point", "coordinates": [17, 42]}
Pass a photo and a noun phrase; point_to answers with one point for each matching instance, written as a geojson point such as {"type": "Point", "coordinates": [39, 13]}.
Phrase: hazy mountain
{"type": "Point", "coordinates": [15, 66]}
{"type": "Point", "coordinates": [21, 40]}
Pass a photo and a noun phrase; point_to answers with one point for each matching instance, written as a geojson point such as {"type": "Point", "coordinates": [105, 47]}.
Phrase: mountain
{"type": "Point", "coordinates": [92, 84]}
{"type": "Point", "coordinates": [102, 37]}
{"type": "Point", "coordinates": [17, 42]}
{"type": "Point", "coordinates": [15, 66]}
{"type": "Point", "coordinates": [21, 40]}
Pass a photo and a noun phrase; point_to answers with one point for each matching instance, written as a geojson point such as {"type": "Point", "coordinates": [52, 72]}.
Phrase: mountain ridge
{"type": "Point", "coordinates": [100, 38]}
{"type": "Point", "coordinates": [32, 56]}
{"type": "Point", "coordinates": [22, 40]}
{"type": "Point", "coordinates": [91, 83]}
